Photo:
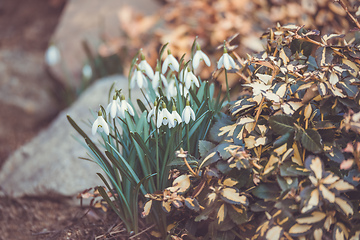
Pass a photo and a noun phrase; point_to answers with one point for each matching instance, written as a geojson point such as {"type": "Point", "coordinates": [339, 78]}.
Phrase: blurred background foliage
{"type": "Point", "coordinates": [212, 21]}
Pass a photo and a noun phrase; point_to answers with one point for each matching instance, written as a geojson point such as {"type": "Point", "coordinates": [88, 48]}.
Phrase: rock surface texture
{"type": "Point", "coordinates": [50, 162]}
{"type": "Point", "coordinates": [84, 20]}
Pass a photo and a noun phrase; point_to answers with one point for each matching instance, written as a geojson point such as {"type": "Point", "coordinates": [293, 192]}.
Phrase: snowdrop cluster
{"type": "Point", "coordinates": [180, 79]}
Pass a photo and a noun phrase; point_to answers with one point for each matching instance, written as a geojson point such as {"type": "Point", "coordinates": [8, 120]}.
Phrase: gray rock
{"type": "Point", "coordinates": [50, 162]}
{"type": "Point", "coordinates": [27, 98]}
{"type": "Point", "coordinates": [89, 20]}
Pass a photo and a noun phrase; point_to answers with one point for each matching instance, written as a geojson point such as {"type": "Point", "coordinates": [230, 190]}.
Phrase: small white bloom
{"type": "Point", "coordinates": [188, 78]}
{"type": "Point", "coordinates": [188, 113]}
{"type": "Point", "coordinates": [152, 111]}
{"type": "Point", "coordinates": [125, 106]}
{"type": "Point", "coordinates": [52, 55]}
{"type": "Point", "coordinates": [156, 80]}
{"type": "Point", "coordinates": [100, 125]}
{"type": "Point", "coordinates": [198, 56]}
{"type": "Point", "coordinates": [176, 117]}
{"type": "Point", "coordinates": [171, 90]}
{"type": "Point", "coordinates": [164, 117]}
{"type": "Point", "coordinates": [183, 90]}
{"type": "Point", "coordinates": [226, 60]}
{"type": "Point", "coordinates": [145, 67]}
{"type": "Point", "coordinates": [139, 78]}
{"type": "Point", "coordinates": [113, 107]}
{"type": "Point", "coordinates": [170, 61]}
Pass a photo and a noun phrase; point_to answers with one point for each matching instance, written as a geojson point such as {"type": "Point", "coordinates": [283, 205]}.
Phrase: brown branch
{"type": "Point", "coordinates": [348, 13]}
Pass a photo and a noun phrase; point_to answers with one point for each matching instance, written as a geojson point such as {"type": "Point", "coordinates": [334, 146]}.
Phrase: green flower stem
{"type": "Point", "coordinates": [187, 137]}
{"type": "Point", "coordinates": [157, 156]}
{"type": "Point", "coordinates": [116, 135]}
{"type": "Point", "coordinates": [227, 86]}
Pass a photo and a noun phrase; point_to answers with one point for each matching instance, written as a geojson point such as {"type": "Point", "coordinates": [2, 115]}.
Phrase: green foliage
{"type": "Point", "coordinates": [138, 147]}
{"type": "Point", "coordinates": [284, 162]}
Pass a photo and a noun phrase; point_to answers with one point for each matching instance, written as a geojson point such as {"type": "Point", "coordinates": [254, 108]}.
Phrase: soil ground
{"type": "Point", "coordinates": [29, 25]}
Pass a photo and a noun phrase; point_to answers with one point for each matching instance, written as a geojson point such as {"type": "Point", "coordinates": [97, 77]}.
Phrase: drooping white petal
{"type": "Point", "coordinates": [95, 126]}
{"type": "Point", "coordinates": [139, 79]}
{"type": "Point", "coordinates": [145, 67]}
{"type": "Point", "coordinates": [159, 119]}
{"type": "Point", "coordinates": [174, 63]}
{"type": "Point", "coordinates": [220, 62]}
{"type": "Point", "coordinates": [171, 90]}
{"type": "Point", "coordinates": [100, 125]}
{"type": "Point", "coordinates": [170, 61]}
{"type": "Point", "coordinates": [231, 60]}
{"type": "Point", "coordinates": [133, 79]}
{"type": "Point", "coordinates": [191, 78]}
{"type": "Point", "coordinates": [165, 65]}
{"type": "Point", "coordinates": [198, 56]}
{"type": "Point", "coordinates": [151, 113]}
{"type": "Point", "coordinates": [166, 117]}
{"type": "Point", "coordinates": [128, 108]}
{"type": "Point", "coordinates": [176, 117]}
{"type": "Point", "coordinates": [104, 125]}
{"type": "Point", "coordinates": [183, 90]}
{"type": "Point", "coordinates": [156, 81]}
{"type": "Point", "coordinates": [227, 61]}
{"type": "Point", "coordinates": [121, 112]}
{"type": "Point", "coordinates": [187, 114]}
{"type": "Point", "coordinates": [112, 108]}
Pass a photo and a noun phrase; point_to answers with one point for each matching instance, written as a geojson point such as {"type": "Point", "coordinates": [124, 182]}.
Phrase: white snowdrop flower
{"type": "Point", "coordinates": [138, 78]}
{"type": "Point", "coordinates": [100, 125]}
{"type": "Point", "coordinates": [164, 117]}
{"type": "Point", "coordinates": [183, 90]}
{"type": "Point", "coordinates": [188, 113]}
{"type": "Point", "coordinates": [52, 55]}
{"type": "Point", "coordinates": [145, 67]}
{"type": "Point", "coordinates": [190, 78]}
{"type": "Point", "coordinates": [176, 117]}
{"type": "Point", "coordinates": [226, 60]}
{"type": "Point", "coordinates": [152, 111]}
{"type": "Point", "coordinates": [171, 90]}
{"type": "Point", "coordinates": [124, 106]}
{"type": "Point", "coordinates": [87, 71]}
{"type": "Point", "coordinates": [170, 61]}
{"type": "Point", "coordinates": [199, 56]}
{"type": "Point", "coordinates": [113, 107]}
{"type": "Point", "coordinates": [156, 79]}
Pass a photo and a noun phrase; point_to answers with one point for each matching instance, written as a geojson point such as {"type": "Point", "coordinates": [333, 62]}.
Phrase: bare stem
{"type": "Point", "coordinates": [348, 13]}
{"type": "Point", "coordinates": [188, 166]}
{"type": "Point", "coordinates": [258, 112]}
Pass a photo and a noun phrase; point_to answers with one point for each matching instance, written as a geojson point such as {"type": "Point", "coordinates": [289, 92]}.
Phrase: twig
{"type": "Point", "coordinates": [145, 230]}
{"type": "Point", "coordinates": [188, 166]}
{"type": "Point", "coordinates": [258, 112]}
{"type": "Point", "coordinates": [348, 13]}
